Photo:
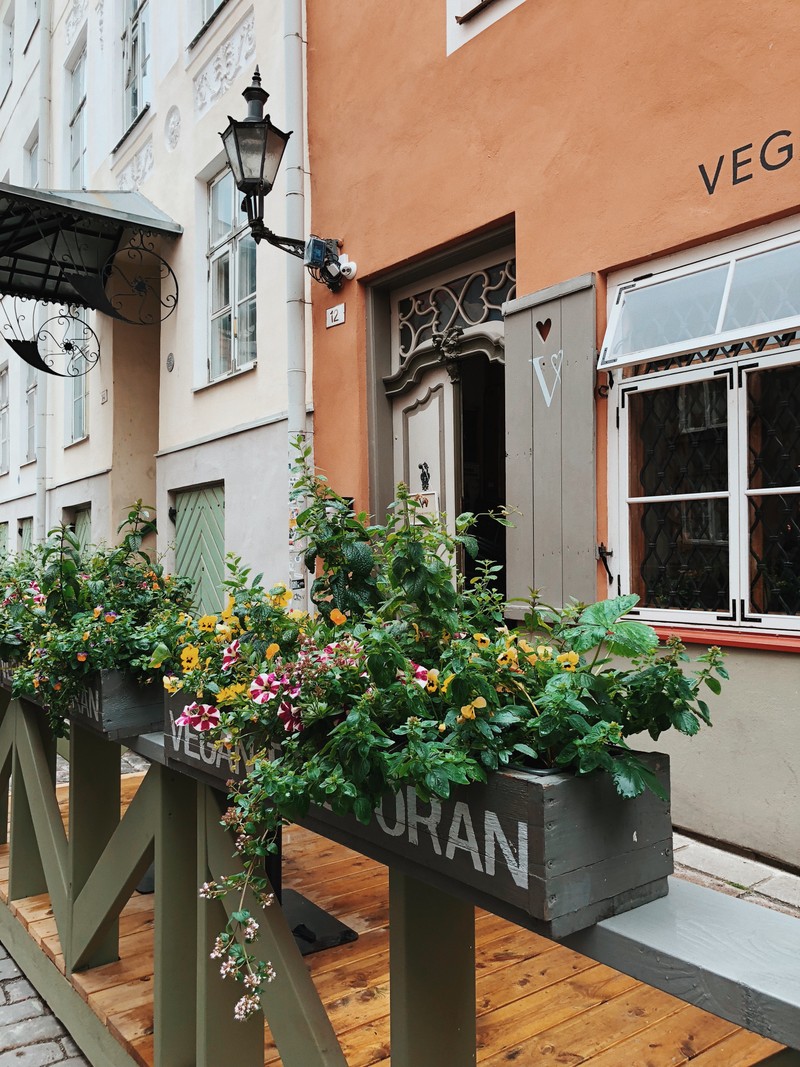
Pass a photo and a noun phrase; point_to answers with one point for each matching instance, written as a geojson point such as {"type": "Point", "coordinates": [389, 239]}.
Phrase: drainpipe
{"type": "Point", "coordinates": [294, 48]}
{"type": "Point", "coordinates": [40, 523]}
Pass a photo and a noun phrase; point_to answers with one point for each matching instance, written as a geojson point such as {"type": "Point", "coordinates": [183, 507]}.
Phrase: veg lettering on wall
{"type": "Point", "coordinates": [742, 164]}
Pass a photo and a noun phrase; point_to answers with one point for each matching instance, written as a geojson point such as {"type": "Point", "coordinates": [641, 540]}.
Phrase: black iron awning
{"type": "Point", "coordinates": [78, 250]}
{"type": "Point", "coordinates": [60, 247]}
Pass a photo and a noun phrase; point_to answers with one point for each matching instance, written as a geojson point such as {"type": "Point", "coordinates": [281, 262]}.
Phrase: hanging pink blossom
{"type": "Point", "coordinates": [230, 655]}
{"type": "Point", "coordinates": [290, 717]}
{"type": "Point", "coordinates": [266, 687]}
{"type": "Point", "coordinates": [420, 675]}
{"type": "Point", "coordinates": [198, 716]}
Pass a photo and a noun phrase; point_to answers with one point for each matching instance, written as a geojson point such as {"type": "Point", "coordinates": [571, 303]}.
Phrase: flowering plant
{"type": "Point", "coordinates": [408, 674]}
{"type": "Point", "coordinates": [75, 611]}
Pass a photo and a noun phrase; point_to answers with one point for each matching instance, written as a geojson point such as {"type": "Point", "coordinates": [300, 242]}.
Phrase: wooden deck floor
{"type": "Point", "coordinates": [538, 1002]}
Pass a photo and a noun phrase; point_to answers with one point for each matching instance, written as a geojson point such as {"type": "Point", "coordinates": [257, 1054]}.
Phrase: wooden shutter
{"type": "Point", "coordinates": [200, 543]}
{"type": "Point", "coordinates": [550, 442]}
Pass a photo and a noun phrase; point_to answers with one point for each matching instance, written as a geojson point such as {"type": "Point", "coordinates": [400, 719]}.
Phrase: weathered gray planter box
{"type": "Point", "coordinates": [554, 853]}
{"type": "Point", "coordinates": [116, 704]}
{"type": "Point", "coordinates": [113, 703]}
{"type": "Point", "coordinates": [189, 748]}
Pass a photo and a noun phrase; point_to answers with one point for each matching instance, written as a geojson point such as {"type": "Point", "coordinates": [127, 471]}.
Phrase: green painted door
{"type": "Point", "coordinates": [200, 543]}
{"type": "Point", "coordinates": [83, 527]}
{"type": "Point", "coordinates": [26, 533]}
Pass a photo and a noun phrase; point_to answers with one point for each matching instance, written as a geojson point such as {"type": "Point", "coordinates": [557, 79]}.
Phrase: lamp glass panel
{"type": "Point", "coordinates": [251, 137]}
{"type": "Point", "coordinates": [276, 146]}
{"type": "Point", "coordinates": [229, 143]}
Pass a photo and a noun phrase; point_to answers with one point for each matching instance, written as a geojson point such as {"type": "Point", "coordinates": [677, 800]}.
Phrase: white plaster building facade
{"type": "Point", "coordinates": [190, 415]}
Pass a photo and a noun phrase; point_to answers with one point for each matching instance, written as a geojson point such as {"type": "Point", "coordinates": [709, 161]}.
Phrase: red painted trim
{"type": "Point", "coordinates": [732, 638]}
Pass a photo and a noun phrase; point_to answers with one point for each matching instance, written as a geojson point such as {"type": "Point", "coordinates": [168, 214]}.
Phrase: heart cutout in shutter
{"type": "Point", "coordinates": [544, 328]}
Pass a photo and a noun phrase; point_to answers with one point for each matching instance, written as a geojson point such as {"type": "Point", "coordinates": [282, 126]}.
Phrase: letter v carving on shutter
{"type": "Point", "coordinates": [550, 442]}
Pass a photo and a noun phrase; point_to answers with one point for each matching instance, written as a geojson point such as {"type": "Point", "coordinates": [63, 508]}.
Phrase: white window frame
{"type": "Point", "coordinates": [6, 50]}
{"type": "Point", "coordinates": [136, 60]}
{"type": "Point", "coordinates": [30, 384]}
{"type": "Point", "coordinates": [76, 391]}
{"type": "Point", "coordinates": [209, 8]}
{"type": "Point", "coordinates": [77, 124]}
{"type": "Point", "coordinates": [740, 617]}
{"type": "Point", "coordinates": [32, 160]}
{"type": "Point", "coordinates": [5, 436]}
{"type": "Point", "coordinates": [228, 247]}
{"type": "Point", "coordinates": [477, 15]}
{"type": "Point", "coordinates": [608, 360]}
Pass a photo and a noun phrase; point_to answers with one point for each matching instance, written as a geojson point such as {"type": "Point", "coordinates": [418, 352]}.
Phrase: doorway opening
{"type": "Point", "coordinates": [483, 457]}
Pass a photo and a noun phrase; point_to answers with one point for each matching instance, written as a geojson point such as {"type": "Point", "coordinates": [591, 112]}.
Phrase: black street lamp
{"type": "Point", "coordinates": [255, 148]}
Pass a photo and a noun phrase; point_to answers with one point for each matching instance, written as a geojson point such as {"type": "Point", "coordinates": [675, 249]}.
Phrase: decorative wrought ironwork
{"type": "Point", "coordinates": [754, 346]}
{"type": "Point", "coordinates": [469, 300]}
{"type": "Point", "coordinates": [135, 284]}
{"type": "Point", "coordinates": [63, 345]}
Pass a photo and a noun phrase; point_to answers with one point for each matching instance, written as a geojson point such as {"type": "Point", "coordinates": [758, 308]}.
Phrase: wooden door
{"type": "Point", "coordinates": [200, 543]}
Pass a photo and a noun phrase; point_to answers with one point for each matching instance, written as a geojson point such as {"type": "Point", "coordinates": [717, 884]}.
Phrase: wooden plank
{"type": "Point", "coordinates": [728, 956]}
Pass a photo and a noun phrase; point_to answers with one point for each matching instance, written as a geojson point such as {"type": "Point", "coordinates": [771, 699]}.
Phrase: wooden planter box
{"type": "Point", "coordinates": [188, 748]}
{"type": "Point", "coordinates": [116, 704]}
{"type": "Point", "coordinates": [113, 703]}
{"type": "Point", "coordinates": [552, 852]}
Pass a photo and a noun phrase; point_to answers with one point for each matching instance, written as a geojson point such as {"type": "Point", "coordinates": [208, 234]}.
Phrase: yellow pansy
{"type": "Point", "coordinates": [544, 652]}
{"type": "Point", "coordinates": [190, 658]}
{"type": "Point", "coordinates": [432, 684]}
{"type": "Point", "coordinates": [446, 683]}
{"type": "Point", "coordinates": [227, 611]}
{"type": "Point", "coordinates": [272, 650]}
{"type": "Point", "coordinates": [207, 623]}
{"type": "Point", "coordinates": [481, 640]}
{"type": "Point", "coordinates": [172, 683]}
{"type": "Point", "coordinates": [507, 658]}
{"type": "Point", "coordinates": [568, 660]}
{"type": "Point", "coordinates": [468, 710]}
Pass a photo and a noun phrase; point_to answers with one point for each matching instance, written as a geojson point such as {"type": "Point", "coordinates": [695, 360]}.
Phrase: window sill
{"type": "Point", "coordinates": [34, 28]}
{"type": "Point", "coordinates": [145, 111]}
{"type": "Point", "coordinates": [27, 463]}
{"type": "Point", "coordinates": [732, 638]}
{"type": "Point", "coordinates": [207, 25]}
{"type": "Point", "coordinates": [77, 441]}
{"type": "Point", "coordinates": [228, 377]}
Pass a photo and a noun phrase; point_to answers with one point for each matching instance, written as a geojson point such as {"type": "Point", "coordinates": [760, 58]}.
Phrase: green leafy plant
{"type": "Point", "coordinates": [77, 611]}
{"type": "Point", "coordinates": [407, 674]}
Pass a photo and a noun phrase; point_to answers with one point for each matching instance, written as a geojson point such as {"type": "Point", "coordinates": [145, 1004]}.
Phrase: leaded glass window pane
{"type": "Point", "coordinates": [679, 441]}
{"type": "Point", "coordinates": [679, 554]}
{"type": "Point", "coordinates": [773, 427]}
{"type": "Point", "coordinates": [765, 288]}
{"type": "Point", "coordinates": [668, 312]}
{"type": "Point", "coordinates": [774, 523]}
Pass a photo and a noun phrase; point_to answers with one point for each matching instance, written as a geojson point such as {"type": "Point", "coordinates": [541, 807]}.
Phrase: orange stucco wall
{"type": "Point", "coordinates": [585, 122]}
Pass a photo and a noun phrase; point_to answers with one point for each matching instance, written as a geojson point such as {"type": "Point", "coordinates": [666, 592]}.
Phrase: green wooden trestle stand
{"type": "Point", "coordinates": [174, 820]}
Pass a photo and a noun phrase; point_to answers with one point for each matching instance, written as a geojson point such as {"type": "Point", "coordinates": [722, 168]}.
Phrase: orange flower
{"type": "Point", "coordinates": [338, 617]}
{"type": "Point", "coordinates": [81, 656]}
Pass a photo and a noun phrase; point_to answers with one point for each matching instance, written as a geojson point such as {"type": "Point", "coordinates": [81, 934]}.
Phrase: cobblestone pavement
{"type": "Point", "coordinates": [30, 1035]}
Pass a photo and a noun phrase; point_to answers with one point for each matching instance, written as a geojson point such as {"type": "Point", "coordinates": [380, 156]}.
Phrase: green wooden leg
{"type": "Point", "coordinates": [6, 749]}
{"type": "Point", "coordinates": [220, 1039]}
{"type": "Point", "coordinates": [175, 1013]}
{"type": "Point", "coordinates": [26, 874]}
{"type": "Point", "coordinates": [788, 1057]}
{"type": "Point", "coordinates": [94, 803]}
{"type": "Point", "coordinates": [432, 975]}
